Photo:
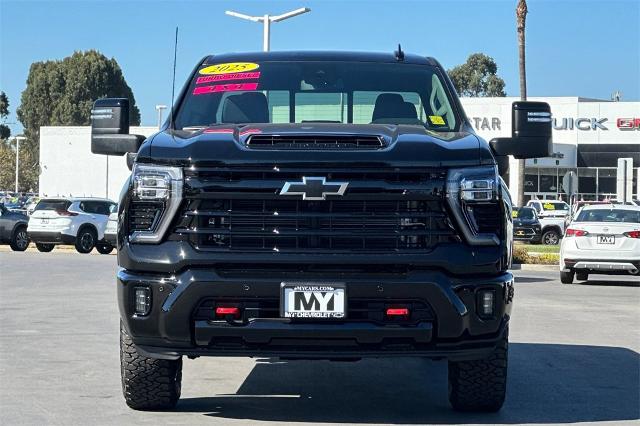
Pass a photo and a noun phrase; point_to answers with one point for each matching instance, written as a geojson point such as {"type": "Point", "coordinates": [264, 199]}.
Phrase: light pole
{"type": "Point", "coordinates": [159, 108]}
{"type": "Point", "coordinates": [267, 20]}
{"type": "Point", "coordinates": [18, 139]}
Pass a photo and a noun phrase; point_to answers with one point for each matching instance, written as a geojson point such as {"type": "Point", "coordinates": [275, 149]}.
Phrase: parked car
{"type": "Point", "coordinates": [111, 229]}
{"type": "Point", "coordinates": [603, 239]}
{"type": "Point", "coordinates": [526, 226]}
{"type": "Point", "coordinates": [13, 229]}
{"type": "Point", "coordinates": [73, 221]}
{"type": "Point", "coordinates": [551, 214]}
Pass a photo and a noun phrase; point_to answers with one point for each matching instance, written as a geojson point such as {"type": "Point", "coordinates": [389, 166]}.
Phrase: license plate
{"type": "Point", "coordinates": [44, 221]}
{"type": "Point", "coordinates": [606, 239]}
{"type": "Point", "coordinates": [305, 300]}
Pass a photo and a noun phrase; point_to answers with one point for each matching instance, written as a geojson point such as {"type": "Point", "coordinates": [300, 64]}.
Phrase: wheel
{"type": "Point", "coordinates": [582, 276]}
{"type": "Point", "coordinates": [86, 240]}
{"type": "Point", "coordinates": [480, 385]}
{"type": "Point", "coordinates": [550, 238]}
{"type": "Point", "coordinates": [44, 247]}
{"type": "Point", "coordinates": [19, 239]}
{"type": "Point", "coordinates": [566, 277]}
{"type": "Point", "coordinates": [104, 248]}
{"type": "Point", "coordinates": [148, 383]}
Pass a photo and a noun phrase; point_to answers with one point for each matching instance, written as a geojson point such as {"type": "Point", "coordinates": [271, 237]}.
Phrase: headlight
{"type": "Point", "coordinates": [473, 195]}
{"type": "Point", "coordinates": [157, 193]}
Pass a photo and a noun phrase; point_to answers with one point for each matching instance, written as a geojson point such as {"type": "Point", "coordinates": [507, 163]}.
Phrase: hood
{"type": "Point", "coordinates": [404, 146]}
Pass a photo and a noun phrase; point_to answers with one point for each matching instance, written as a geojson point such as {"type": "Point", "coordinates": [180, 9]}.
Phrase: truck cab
{"type": "Point", "coordinates": [316, 205]}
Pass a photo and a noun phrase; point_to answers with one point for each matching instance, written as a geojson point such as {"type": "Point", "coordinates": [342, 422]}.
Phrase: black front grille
{"type": "Point", "coordinates": [144, 215]}
{"type": "Point", "coordinates": [488, 218]}
{"type": "Point", "coordinates": [392, 211]}
{"type": "Point", "coordinates": [320, 142]}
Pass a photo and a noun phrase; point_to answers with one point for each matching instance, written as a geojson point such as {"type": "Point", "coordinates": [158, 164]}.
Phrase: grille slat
{"type": "Point", "coordinates": [405, 213]}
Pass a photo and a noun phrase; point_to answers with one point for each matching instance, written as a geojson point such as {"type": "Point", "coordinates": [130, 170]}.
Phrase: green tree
{"type": "Point", "coordinates": [477, 77]}
{"type": "Point", "coordinates": [5, 131]}
{"type": "Point", "coordinates": [61, 93]}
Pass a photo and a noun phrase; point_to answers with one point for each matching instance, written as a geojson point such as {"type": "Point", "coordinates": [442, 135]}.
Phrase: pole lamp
{"type": "Point", "coordinates": [159, 108]}
{"type": "Point", "coordinates": [267, 20]}
{"type": "Point", "coordinates": [18, 139]}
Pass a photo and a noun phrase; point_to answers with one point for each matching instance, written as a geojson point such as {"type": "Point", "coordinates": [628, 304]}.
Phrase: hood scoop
{"type": "Point", "coordinates": [307, 142]}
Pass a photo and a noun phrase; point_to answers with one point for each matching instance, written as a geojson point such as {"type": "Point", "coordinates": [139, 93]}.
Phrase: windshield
{"type": "Point", "coordinates": [555, 205]}
{"type": "Point", "coordinates": [524, 213]}
{"type": "Point", "coordinates": [53, 205]}
{"type": "Point", "coordinates": [310, 91]}
{"type": "Point", "coordinates": [613, 215]}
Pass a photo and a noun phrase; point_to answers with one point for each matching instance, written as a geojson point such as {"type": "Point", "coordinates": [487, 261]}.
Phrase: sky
{"type": "Point", "coordinates": [582, 48]}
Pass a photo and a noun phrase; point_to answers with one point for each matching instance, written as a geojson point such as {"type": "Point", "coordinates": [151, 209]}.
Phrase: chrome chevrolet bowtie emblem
{"type": "Point", "coordinates": [314, 188]}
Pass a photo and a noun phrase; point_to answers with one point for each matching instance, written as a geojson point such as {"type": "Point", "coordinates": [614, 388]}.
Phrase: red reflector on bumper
{"type": "Point", "coordinates": [397, 312]}
{"type": "Point", "coordinates": [222, 311]}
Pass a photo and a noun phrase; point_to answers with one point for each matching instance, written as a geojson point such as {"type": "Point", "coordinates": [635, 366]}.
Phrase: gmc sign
{"type": "Point", "coordinates": [628, 123]}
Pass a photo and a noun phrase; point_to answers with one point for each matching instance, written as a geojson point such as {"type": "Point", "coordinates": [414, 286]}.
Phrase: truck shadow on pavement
{"type": "Point", "coordinates": [548, 383]}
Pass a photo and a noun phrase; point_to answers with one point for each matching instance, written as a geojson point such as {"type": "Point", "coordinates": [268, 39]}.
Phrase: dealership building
{"type": "Point", "coordinates": [589, 137]}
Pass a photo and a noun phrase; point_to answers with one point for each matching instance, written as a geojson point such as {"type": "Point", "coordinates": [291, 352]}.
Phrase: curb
{"type": "Point", "coordinates": [533, 267]}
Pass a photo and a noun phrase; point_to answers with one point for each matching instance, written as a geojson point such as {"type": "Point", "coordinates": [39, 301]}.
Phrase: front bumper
{"type": "Point", "coordinates": [172, 329]}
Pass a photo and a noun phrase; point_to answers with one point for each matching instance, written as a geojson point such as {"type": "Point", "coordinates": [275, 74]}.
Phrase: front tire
{"type": "Point", "coordinates": [86, 240]}
{"type": "Point", "coordinates": [566, 277]}
{"type": "Point", "coordinates": [19, 239]}
{"type": "Point", "coordinates": [480, 385]}
{"type": "Point", "coordinates": [148, 383]}
{"type": "Point", "coordinates": [104, 248]}
{"type": "Point", "coordinates": [45, 247]}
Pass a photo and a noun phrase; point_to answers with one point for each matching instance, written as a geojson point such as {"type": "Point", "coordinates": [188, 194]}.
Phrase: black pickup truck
{"type": "Point", "coordinates": [316, 205]}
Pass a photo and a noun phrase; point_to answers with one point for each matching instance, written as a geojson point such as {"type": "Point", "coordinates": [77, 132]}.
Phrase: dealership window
{"type": "Point", "coordinates": [607, 181]}
{"type": "Point", "coordinates": [594, 183]}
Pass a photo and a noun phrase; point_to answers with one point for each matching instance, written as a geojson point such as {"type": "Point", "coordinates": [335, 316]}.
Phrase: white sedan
{"type": "Point", "coordinates": [602, 239]}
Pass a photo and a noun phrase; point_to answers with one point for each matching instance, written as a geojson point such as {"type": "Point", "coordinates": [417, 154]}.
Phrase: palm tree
{"type": "Point", "coordinates": [521, 18]}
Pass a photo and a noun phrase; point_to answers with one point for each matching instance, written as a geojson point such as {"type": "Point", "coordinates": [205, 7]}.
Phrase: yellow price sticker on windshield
{"type": "Point", "coordinates": [514, 213]}
{"type": "Point", "coordinates": [229, 68]}
{"type": "Point", "coordinates": [548, 206]}
{"type": "Point", "coordinates": [436, 119]}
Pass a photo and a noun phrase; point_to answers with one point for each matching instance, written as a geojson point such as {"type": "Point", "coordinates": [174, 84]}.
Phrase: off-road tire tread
{"type": "Point", "coordinates": [148, 383]}
{"type": "Point", "coordinates": [480, 385]}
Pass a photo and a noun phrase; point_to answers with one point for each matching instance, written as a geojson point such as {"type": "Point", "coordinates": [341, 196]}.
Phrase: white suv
{"type": "Point", "coordinates": [74, 221]}
{"type": "Point", "coordinates": [602, 239]}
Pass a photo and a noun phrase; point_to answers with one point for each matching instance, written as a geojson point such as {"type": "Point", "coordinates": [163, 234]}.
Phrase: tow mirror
{"type": "Point", "coordinates": [110, 128]}
{"type": "Point", "coordinates": [530, 132]}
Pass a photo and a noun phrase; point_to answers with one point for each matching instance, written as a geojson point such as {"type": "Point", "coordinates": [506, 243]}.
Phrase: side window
{"type": "Point", "coordinates": [88, 207]}
{"type": "Point", "coordinates": [439, 103]}
{"type": "Point", "coordinates": [103, 208]}
{"type": "Point", "coordinates": [113, 207]}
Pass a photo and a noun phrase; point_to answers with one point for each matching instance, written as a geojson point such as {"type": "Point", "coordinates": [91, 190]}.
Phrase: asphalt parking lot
{"type": "Point", "coordinates": [574, 358]}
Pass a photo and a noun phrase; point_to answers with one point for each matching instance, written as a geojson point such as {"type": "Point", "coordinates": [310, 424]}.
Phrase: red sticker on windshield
{"type": "Point", "coordinates": [233, 87]}
{"type": "Point", "coordinates": [224, 77]}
